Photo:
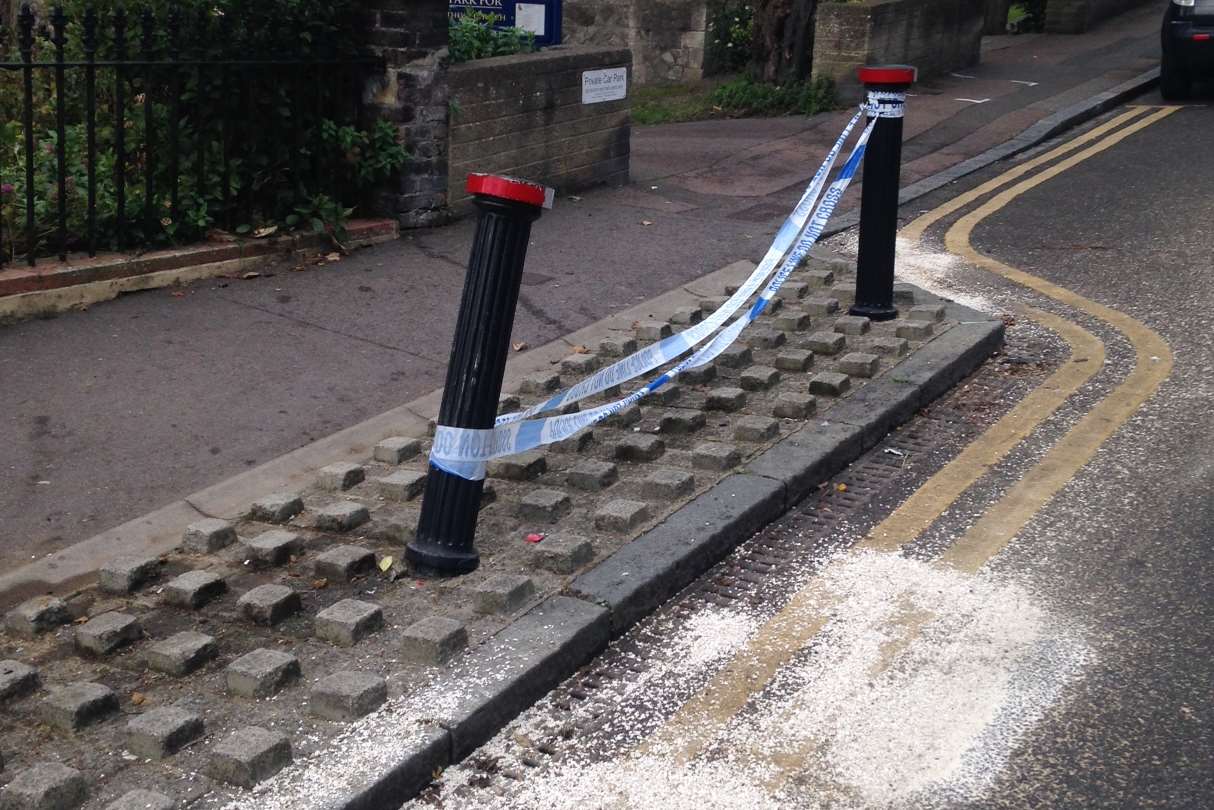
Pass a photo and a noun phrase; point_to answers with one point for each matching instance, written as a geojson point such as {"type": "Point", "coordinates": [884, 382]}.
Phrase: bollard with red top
{"type": "Point", "coordinates": [886, 86]}
{"type": "Point", "coordinates": [506, 207]}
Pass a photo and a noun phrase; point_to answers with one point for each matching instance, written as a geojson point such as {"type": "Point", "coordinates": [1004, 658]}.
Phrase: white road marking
{"type": "Point", "coordinates": [1022, 81]}
{"type": "Point", "coordinates": [973, 100]}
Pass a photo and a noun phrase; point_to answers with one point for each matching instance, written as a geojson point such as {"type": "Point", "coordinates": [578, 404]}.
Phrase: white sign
{"type": "Point", "coordinates": [530, 17]}
{"type": "Point", "coordinates": [604, 85]}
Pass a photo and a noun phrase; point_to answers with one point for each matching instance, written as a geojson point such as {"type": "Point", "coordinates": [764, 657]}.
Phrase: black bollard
{"type": "Point", "coordinates": [886, 86]}
{"type": "Point", "coordinates": [506, 207]}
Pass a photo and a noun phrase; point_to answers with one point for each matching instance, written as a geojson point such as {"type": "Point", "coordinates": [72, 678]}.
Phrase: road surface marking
{"type": "Point", "coordinates": [973, 100]}
{"type": "Point", "coordinates": [689, 731]}
{"type": "Point", "coordinates": [1022, 81]}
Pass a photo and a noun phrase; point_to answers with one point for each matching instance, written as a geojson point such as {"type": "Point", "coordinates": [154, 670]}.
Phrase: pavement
{"type": "Point", "coordinates": [135, 404]}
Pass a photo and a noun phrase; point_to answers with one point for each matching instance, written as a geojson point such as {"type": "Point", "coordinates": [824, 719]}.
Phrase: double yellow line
{"type": "Point", "coordinates": [689, 731]}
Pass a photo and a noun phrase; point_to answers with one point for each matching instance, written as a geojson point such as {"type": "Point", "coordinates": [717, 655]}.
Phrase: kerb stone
{"type": "Point", "coordinates": [182, 653]}
{"type": "Point", "coordinates": [277, 508]}
{"type": "Point", "coordinates": [503, 593]}
{"type": "Point", "coordinates": [347, 622]}
{"type": "Point", "coordinates": [725, 399]}
{"type": "Point", "coordinates": [853, 325]}
{"type": "Point", "coordinates": [343, 563]}
{"type": "Point", "coordinates": [341, 476]}
{"type": "Point", "coordinates": [249, 756]}
{"type": "Point", "coordinates": [17, 680]}
{"type": "Point", "coordinates": [715, 456]}
{"type": "Point", "coordinates": [621, 515]}
{"type": "Point", "coordinates": [193, 589]}
{"type": "Point", "coordinates": [127, 573]}
{"type": "Point", "coordinates": [756, 429]}
{"type": "Point", "coordinates": [160, 733]}
{"type": "Point", "coordinates": [342, 516]}
{"type": "Point", "coordinates": [933, 313]}
{"type": "Point", "coordinates": [758, 378]}
{"type": "Point", "coordinates": [45, 786]}
{"type": "Point", "coordinates": [274, 547]}
{"type": "Point", "coordinates": [593, 476]}
{"type": "Point", "coordinates": [640, 447]}
{"type": "Point", "coordinates": [860, 364]}
{"type": "Point", "coordinates": [269, 604]}
{"type": "Point", "coordinates": [915, 330]}
{"type": "Point", "coordinates": [37, 615]}
{"type": "Point", "coordinates": [433, 641]}
{"type": "Point", "coordinates": [523, 467]}
{"type": "Point", "coordinates": [562, 554]}
{"type": "Point", "coordinates": [793, 405]}
{"type": "Point", "coordinates": [829, 383]}
{"type": "Point", "coordinates": [796, 360]}
{"type": "Point", "coordinates": [396, 449]}
{"type": "Point", "coordinates": [262, 673]}
{"type": "Point", "coordinates": [402, 485]}
{"type": "Point", "coordinates": [670, 483]}
{"type": "Point", "coordinates": [545, 505]}
{"type": "Point", "coordinates": [141, 800]}
{"type": "Point", "coordinates": [103, 634]}
{"type": "Point", "coordinates": [209, 535]}
{"type": "Point", "coordinates": [76, 705]}
{"type": "Point", "coordinates": [347, 696]}
{"type": "Point", "coordinates": [826, 343]}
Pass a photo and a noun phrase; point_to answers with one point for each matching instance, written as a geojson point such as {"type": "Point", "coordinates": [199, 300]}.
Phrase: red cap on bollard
{"type": "Point", "coordinates": [876, 75]}
{"type": "Point", "coordinates": [510, 188]}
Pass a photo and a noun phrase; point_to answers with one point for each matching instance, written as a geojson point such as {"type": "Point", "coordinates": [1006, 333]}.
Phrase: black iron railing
{"type": "Point", "coordinates": [173, 126]}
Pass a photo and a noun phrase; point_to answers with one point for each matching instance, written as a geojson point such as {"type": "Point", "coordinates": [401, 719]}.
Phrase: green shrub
{"type": "Point", "coordinates": [473, 36]}
{"type": "Point", "coordinates": [730, 35]}
{"type": "Point", "coordinates": [745, 97]}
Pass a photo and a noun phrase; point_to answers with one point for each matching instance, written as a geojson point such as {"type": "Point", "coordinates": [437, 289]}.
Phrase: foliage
{"type": "Point", "coordinates": [473, 36]}
{"type": "Point", "coordinates": [730, 35]}
{"type": "Point", "coordinates": [1027, 17]}
{"type": "Point", "coordinates": [287, 136]}
{"type": "Point", "coordinates": [746, 97]}
{"type": "Point", "coordinates": [672, 103]}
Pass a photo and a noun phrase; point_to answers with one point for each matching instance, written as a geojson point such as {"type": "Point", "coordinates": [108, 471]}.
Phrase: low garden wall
{"type": "Point", "coordinates": [666, 37]}
{"type": "Point", "coordinates": [936, 36]}
{"type": "Point", "coordinates": [558, 117]}
{"type": "Point", "coordinates": [1077, 16]}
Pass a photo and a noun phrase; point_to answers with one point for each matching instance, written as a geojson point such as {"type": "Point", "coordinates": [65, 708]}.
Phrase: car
{"type": "Point", "coordinates": [1188, 47]}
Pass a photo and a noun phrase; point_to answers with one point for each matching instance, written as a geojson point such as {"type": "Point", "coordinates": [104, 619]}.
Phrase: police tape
{"type": "Point", "coordinates": [668, 349]}
{"type": "Point", "coordinates": [465, 452]}
{"type": "Point", "coordinates": [885, 103]}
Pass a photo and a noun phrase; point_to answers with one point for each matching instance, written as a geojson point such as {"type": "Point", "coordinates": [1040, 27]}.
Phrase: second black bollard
{"type": "Point", "coordinates": [886, 88]}
{"type": "Point", "coordinates": [446, 530]}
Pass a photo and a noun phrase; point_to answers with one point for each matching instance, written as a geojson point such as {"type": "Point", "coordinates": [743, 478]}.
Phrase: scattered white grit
{"type": "Point", "coordinates": [709, 636]}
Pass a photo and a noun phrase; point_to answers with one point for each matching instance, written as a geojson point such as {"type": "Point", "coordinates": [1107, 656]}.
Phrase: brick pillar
{"type": "Point", "coordinates": [411, 35]}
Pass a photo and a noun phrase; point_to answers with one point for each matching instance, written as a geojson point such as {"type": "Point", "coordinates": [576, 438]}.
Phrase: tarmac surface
{"type": "Point", "coordinates": [1040, 638]}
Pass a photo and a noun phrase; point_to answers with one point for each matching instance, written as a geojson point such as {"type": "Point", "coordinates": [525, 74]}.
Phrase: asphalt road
{"type": "Point", "coordinates": [1042, 640]}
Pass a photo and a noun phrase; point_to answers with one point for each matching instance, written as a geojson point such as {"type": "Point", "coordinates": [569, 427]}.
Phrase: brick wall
{"type": "Point", "coordinates": [936, 36]}
{"type": "Point", "coordinates": [1077, 16]}
{"type": "Point", "coordinates": [666, 36]}
{"type": "Point", "coordinates": [411, 35]}
{"type": "Point", "coordinates": [523, 115]}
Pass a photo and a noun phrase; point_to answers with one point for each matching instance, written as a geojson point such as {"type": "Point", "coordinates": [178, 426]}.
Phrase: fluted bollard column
{"type": "Point", "coordinates": [886, 86]}
{"type": "Point", "coordinates": [506, 207]}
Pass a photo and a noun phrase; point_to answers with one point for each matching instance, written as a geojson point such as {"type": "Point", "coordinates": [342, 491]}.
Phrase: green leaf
{"type": "Point", "coordinates": [243, 229]}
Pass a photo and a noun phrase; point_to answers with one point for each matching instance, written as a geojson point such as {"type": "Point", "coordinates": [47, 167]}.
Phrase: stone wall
{"type": "Point", "coordinates": [523, 115]}
{"type": "Point", "coordinates": [411, 35]}
{"type": "Point", "coordinates": [935, 36]}
{"type": "Point", "coordinates": [666, 36]}
{"type": "Point", "coordinates": [1077, 16]}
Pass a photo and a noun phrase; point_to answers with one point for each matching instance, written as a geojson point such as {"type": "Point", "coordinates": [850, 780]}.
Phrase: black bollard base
{"type": "Point", "coordinates": [434, 559]}
{"type": "Point", "coordinates": [874, 312]}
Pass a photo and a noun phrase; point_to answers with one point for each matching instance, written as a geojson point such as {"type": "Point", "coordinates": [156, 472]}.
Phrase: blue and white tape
{"type": "Point", "coordinates": [465, 452]}
{"type": "Point", "coordinates": [885, 103]}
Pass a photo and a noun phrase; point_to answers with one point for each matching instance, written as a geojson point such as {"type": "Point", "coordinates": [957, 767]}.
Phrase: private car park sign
{"type": "Point", "coordinates": [540, 17]}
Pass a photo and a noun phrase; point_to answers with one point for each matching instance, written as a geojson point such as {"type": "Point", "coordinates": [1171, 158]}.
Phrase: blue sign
{"type": "Point", "coordinates": [540, 17]}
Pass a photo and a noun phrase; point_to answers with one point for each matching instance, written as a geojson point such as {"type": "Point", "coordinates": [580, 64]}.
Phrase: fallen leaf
{"type": "Point", "coordinates": [177, 294]}
{"type": "Point", "coordinates": [81, 620]}
{"type": "Point", "coordinates": [320, 584]}
{"type": "Point", "coordinates": [251, 274]}
{"type": "Point", "coordinates": [333, 257]}
{"type": "Point", "coordinates": [646, 222]}
{"type": "Point", "coordinates": [263, 232]}
{"type": "Point", "coordinates": [137, 698]}
{"type": "Point", "coordinates": [385, 563]}
{"type": "Point", "coordinates": [581, 350]}
{"type": "Point", "coordinates": [520, 346]}
{"type": "Point", "coordinates": [534, 537]}
{"type": "Point", "coordinates": [840, 487]}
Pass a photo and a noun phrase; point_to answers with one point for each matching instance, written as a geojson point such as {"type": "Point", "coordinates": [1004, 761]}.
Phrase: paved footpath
{"type": "Point", "coordinates": [109, 414]}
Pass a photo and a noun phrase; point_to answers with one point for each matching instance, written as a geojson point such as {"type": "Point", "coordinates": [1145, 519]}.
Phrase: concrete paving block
{"type": "Point", "coordinates": [503, 593]}
{"type": "Point", "coordinates": [249, 756]}
{"type": "Point", "coordinates": [45, 786]}
{"type": "Point", "coordinates": [341, 476]}
{"type": "Point", "coordinates": [625, 418]}
{"type": "Point", "coordinates": [687, 316]}
{"type": "Point", "coordinates": [76, 705]}
{"type": "Point", "coordinates": [38, 615]}
{"type": "Point", "coordinates": [269, 604]}
{"type": "Point", "coordinates": [829, 383]}
{"type": "Point", "coordinates": [794, 320]}
{"type": "Point", "coordinates": [522, 467]}
{"type": "Point", "coordinates": [670, 483]}
{"type": "Point", "coordinates": [541, 382]}
{"type": "Point", "coordinates": [653, 330]}
{"type": "Point", "coordinates": [618, 345]}
{"type": "Point", "coordinates": [890, 346]}
{"type": "Point", "coordinates": [764, 338]}
{"type": "Point", "coordinates": [904, 293]}
{"type": "Point", "coordinates": [562, 553]}
{"type": "Point", "coordinates": [141, 800]}
{"type": "Point", "coordinates": [698, 375]}
{"type": "Point", "coordinates": [795, 360]}
{"type": "Point", "coordinates": [933, 313]}
{"type": "Point", "coordinates": [277, 508]}
{"type": "Point", "coordinates": [274, 547]}
{"type": "Point", "coordinates": [715, 456]}
{"type": "Point", "coordinates": [126, 573]}
{"type": "Point", "coordinates": [680, 421]}
{"type": "Point", "coordinates": [576, 443]}
{"type": "Point", "coordinates": [433, 641]}
{"type": "Point", "coordinates": [758, 378]}
{"type": "Point", "coordinates": [544, 505]}
{"type": "Point", "coordinates": [209, 535]}
{"type": "Point", "coordinates": [262, 673]}
{"type": "Point", "coordinates": [347, 696]}
{"type": "Point", "coordinates": [712, 304]}
{"type": "Point", "coordinates": [860, 364]}
{"type": "Point", "coordinates": [341, 516]}
{"type": "Point", "coordinates": [756, 429]}
{"type": "Point", "coordinates": [793, 290]}
{"type": "Point", "coordinates": [826, 343]}
{"type": "Point", "coordinates": [396, 449]}
{"type": "Point", "coordinates": [819, 278]}
{"type": "Point", "coordinates": [915, 330]}
{"type": "Point", "coordinates": [580, 365]}
{"type": "Point", "coordinates": [182, 653]}
{"type": "Point", "coordinates": [347, 622]}
{"type": "Point", "coordinates": [821, 305]}
{"type": "Point", "coordinates": [103, 634]}
{"type": "Point", "coordinates": [853, 325]}
{"type": "Point", "coordinates": [193, 589]}
{"type": "Point", "coordinates": [725, 399]}
{"type": "Point", "coordinates": [508, 403]}
{"type": "Point", "coordinates": [735, 356]}
{"type": "Point", "coordinates": [667, 394]}
{"type": "Point", "coordinates": [794, 405]}
{"type": "Point", "coordinates": [17, 679]}
{"type": "Point", "coordinates": [402, 485]}
{"type": "Point", "coordinates": [161, 733]}
{"type": "Point", "coordinates": [621, 515]}
{"type": "Point", "coordinates": [593, 476]}
{"type": "Point", "coordinates": [343, 563]}
{"type": "Point", "coordinates": [639, 447]}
